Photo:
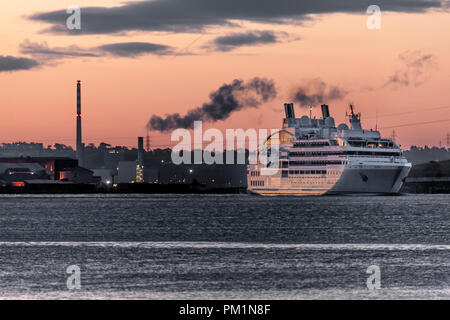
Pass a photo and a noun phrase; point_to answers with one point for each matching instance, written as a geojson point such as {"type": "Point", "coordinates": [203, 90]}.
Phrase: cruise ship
{"type": "Point", "coordinates": [316, 158]}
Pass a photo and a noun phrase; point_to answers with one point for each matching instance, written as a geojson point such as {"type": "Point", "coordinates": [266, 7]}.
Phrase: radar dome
{"type": "Point", "coordinates": [342, 127]}
{"type": "Point", "coordinates": [305, 121]}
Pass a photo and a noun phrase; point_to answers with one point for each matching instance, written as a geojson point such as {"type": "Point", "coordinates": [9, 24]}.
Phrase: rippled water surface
{"type": "Point", "coordinates": [224, 247]}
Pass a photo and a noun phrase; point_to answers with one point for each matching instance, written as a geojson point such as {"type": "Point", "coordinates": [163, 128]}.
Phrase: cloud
{"type": "Point", "coordinates": [195, 15]}
{"type": "Point", "coordinates": [9, 63]}
{"type": "Point", "coordinates": [227, 99]}
{"type": "Point", "coordinates": [133, 49]}
{"type": "Point", "coordinates": [251, 38]}
{"type": "Point", "coordinates": [43, 52]}
{"type": "Point", "coordinates": [415, 69]}
{"type": "Point", "coordinates": [316, 92]}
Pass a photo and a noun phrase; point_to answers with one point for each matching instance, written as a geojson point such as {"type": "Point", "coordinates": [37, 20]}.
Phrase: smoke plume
{"type": "Point", "coordinates": [223, 102]}
{"type": "Point", "coordinates": [416, 67]}
{"type": "Point", "coordinates": [316, 92]}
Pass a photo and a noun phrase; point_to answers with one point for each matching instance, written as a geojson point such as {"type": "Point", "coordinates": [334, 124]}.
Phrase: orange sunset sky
{"type": "Point", "coordinates": [121, 92]}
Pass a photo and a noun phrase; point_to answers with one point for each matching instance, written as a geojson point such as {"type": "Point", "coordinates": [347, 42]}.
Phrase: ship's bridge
{"type": "Point", "coordinates": [358, 134]}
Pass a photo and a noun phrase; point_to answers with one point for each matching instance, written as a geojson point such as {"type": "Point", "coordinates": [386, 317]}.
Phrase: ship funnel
{"type": "Point", "coordinates": [325, 111]}
{"type": "Point", "coordinates": [289, 110]}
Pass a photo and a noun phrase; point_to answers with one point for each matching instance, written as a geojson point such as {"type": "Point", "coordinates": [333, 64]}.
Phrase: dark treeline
{"type": "Point", "coordinates": [107, 156]}
{"type": "Point", "coordinates": [418, 155]}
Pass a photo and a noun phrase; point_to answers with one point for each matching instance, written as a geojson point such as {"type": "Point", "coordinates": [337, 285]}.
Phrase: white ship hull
{"type": "Point", "coordinates": [376, 180]}
{"type": "Point", "coordinates": [365, 180]}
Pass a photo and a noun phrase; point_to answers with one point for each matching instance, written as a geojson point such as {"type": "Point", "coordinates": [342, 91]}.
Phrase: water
{"type": "Point", "coordinates": [224, 247]}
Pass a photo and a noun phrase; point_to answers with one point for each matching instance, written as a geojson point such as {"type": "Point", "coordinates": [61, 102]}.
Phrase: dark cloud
{"type": "Point", "coordinates": [316, 92]}
{"type": "Point", "coordinates": [46, 54]}
{"type": "Point", "coordinates": [133, 49]}
{"type": "Point", "coordinates": [194, 15]}
{"type": "Point", "coordinates": [227, 99]}
{"type": "Point", "coordinates": [43, 51]}
{"type": "Point", "coordinates": [250, 38]}
{"type": "Point", "coordinates": [415, 68]}
{"type": "Point", "coordinates": [8, 63]}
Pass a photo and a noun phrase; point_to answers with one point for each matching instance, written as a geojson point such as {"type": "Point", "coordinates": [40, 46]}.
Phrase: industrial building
{"type": "Point", "coordinates": [126, 172]}
{"type": "Point", "coordinates": [20, 172]}
{"type": "Point", "coordinates": [106, 176]}
{"type": "Point", "coordinates": [33, 167]}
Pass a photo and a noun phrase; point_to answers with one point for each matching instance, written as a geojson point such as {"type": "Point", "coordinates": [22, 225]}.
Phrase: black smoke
{"type": "Point", "coordinates": [416, 67]}
{"type": "Point", "coordinates": [316, 92]}
{"type": "Point", "coordinates": [227, 99]}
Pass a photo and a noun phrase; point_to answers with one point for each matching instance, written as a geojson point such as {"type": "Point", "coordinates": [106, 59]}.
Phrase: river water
{"type": "Point", "coordinates": [224, 246]}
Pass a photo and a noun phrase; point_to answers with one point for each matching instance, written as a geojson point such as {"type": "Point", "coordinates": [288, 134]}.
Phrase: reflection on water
{"type": "Point", "coordinates": [224, 247]}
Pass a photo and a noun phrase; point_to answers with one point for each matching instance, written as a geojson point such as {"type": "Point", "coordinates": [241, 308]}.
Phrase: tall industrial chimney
{"type": "Point", "coordinates": [79, 151]}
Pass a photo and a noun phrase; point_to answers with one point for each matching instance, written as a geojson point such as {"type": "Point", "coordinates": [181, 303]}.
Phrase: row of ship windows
{"type": "Point", "coordinates": [287, 173]}
{"type": "Point", "coordinates": [330, 172]}
{"type": "Point", "coordinates": [255, 173]}
{"type": "Point", "coordinates": [312, 144]}
{"type": "Point", "coordinates": [363, 143]}
{"type": "Point", "coordinates": [330, 153]}
{"type": "Point", "coordinates": [257, 183]}
{"type": "Point", "coordinates": [370, 144]}
{"type": "Point", "coordinates": [314, 163]}
{"type": "Point", "coordinates": [313, 182]}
